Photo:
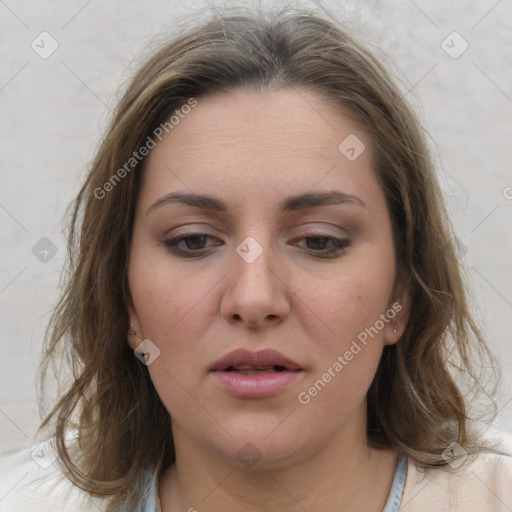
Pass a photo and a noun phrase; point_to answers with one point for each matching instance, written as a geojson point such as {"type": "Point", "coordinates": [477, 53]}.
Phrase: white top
{"type": "Point", "coordinates": [30, 481]}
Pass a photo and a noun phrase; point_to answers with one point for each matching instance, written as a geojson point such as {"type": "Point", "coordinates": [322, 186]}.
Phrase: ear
{"type": "Point", "coordinates": [133, 332]}
{"type": "Point", "coordinates": [398, 312]}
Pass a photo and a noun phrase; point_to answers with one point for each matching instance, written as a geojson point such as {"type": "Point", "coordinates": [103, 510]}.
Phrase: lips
{"type": "Point", "coordinates": [255, 375]}
{"type": "Point", "coordinates": [242, 361]}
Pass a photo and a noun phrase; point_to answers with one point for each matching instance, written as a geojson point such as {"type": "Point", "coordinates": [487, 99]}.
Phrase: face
{"type": "Point", "coordinates": [268, 303]}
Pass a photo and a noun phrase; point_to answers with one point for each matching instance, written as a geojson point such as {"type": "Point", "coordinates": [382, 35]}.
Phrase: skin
{"type": "Point", "coordinates": [252, 150]}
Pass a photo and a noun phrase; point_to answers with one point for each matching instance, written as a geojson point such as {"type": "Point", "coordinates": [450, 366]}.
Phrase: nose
{"type": "Point", "coordinates": [257, 292]}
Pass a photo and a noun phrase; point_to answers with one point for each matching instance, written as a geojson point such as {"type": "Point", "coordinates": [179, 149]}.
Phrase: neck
{"type": "Point", "coordinates": [334, 477]}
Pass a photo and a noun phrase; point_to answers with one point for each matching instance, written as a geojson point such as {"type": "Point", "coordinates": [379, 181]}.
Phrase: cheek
{"type": "Point", "coordinates": [174, 309]}
{"type": "Point", "coordinates": [171, 319]}
{"type": "Point", "coordinates": [162, 297]}
{"type": "Point", "coordinates": [169, 310]}
{"type": "Point", "coordinates": [347, 357]}
{"type": "Point", "coordinates": [343, 307]}
{"type": "Point", "coordinates": [349, 336]}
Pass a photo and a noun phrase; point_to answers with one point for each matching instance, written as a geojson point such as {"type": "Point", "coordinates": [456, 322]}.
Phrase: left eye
{"type": "Point", "coordinates": [320, 242]}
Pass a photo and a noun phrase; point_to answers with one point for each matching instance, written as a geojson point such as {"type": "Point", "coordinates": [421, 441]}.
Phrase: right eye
{"type": "Point", "coordinates": [192, 244]}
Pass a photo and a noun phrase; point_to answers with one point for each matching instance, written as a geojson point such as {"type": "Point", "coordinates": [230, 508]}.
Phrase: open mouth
{"type": "Point", "coordinates": [243, 360]}
{"type": "Point", "coordinates": [252, 375]}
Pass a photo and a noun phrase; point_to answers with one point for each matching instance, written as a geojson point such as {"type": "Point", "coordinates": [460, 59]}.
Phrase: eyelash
{"type": "Point", "coordinates": [340, 245]}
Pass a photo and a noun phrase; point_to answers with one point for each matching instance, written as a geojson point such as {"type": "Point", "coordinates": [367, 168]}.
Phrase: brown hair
{"type": "Point", "coordinates": [414, 402]}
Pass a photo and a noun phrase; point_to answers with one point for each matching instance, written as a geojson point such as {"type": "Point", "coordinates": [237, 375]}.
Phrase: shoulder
{"type": "Point", "coordinates": [30, 480]}
{"type": "Point", "coordinates": [469, 482]}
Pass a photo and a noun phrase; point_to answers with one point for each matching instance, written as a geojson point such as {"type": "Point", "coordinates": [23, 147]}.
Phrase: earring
{"type": "Point", "coordinates": [131, 330]}
{"type": "Point", "coordinates": [395, 329]}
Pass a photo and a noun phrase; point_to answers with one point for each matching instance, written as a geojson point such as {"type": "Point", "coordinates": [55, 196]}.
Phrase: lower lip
{"type": "Point", "coordinates": [260, 385]}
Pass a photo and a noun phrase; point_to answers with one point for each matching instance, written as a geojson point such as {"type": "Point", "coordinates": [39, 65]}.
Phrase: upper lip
{"type": "Point", "coordinates": [261, 359]}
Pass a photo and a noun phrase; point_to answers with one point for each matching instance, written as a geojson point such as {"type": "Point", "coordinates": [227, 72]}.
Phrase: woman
{"type": "Point", "coordinates": [264, 309]}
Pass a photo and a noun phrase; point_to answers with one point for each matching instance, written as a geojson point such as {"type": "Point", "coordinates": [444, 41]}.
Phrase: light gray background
{"type": "Point", "coordinates": [54, 110]}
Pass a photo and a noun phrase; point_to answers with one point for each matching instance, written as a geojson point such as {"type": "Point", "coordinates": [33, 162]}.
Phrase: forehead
{"type": "Point", "coordinates": [254, 144]}
{"type": "Point", "coordinates": [283, 119]}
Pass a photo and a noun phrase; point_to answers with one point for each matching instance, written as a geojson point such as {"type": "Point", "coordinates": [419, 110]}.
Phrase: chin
{"type": "Point", "coordinates": [261, 446]}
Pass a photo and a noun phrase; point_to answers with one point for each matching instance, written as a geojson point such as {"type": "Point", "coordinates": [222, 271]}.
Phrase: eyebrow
{"type": "Point", "coordinates": [289, 204]}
